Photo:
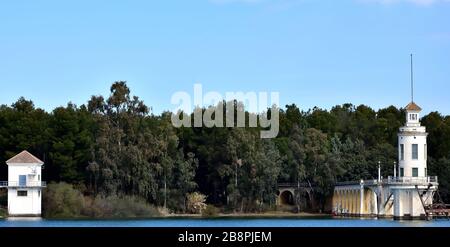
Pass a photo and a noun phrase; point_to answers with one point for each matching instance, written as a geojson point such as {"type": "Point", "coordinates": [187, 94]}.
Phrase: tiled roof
{"type": "Point", "coordinates": [24, 158]}
{"type": "Point", "coordinates": [413, 107]}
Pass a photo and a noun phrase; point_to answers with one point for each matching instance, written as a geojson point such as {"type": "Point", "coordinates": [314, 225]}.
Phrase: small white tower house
{"type": "Point", "coordinates": [24, 185]}
{"type": "Point", "coordinates": [412, 140]}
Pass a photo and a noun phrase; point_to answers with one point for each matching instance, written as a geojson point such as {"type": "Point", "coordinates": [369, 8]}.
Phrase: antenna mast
{"type": "Point", "coordinates": [412, 79]}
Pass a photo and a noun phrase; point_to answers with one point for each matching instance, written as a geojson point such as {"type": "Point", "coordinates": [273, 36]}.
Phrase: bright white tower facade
{"type": "Point", "coordinates": [412, 145]}
{"type": "Point", "coordinates": [24, 185]}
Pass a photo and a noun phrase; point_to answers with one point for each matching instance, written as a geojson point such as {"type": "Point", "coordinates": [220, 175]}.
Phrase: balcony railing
{"type": "Point", "coordinates": [394, 180]}
{"type": "Point", "coordinates": [292, 185]}
{"type": "Point", "coordinates": [411, 180]}
{"type": "Point", "coordinates": [28, 184]}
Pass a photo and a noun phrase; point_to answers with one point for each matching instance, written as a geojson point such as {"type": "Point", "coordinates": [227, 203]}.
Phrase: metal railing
{"type": "Point", "coordinates": [28, 184]}
{"type": "Point", "coordinates": [411, 180]}
{"type": "Point", "coordinates": [356, 182]}
{"type": "Point", "coordinates": [394, 180]}
{"type": "Point", "coordinates": [292, 185]}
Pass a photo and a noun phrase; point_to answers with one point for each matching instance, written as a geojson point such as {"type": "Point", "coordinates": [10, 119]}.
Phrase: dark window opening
{"type": "Point", "coordinates": [402, 152]}
{"type": "Point", "coordinates": [415, 152]}
{"type": "Point", "coordinates": [22, 193]}
{"type": "Point", "coordinates": [415, 172]}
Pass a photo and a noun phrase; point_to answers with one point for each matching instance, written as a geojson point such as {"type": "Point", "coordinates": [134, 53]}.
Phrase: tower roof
{"type": "Point", "coordinates": [24, 158]}
{"type": "Point", "coordinates": [413, 107]}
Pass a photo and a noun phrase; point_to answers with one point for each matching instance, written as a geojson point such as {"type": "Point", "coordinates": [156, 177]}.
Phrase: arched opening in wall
{"type": "Point", "coordinates": [287, 198]}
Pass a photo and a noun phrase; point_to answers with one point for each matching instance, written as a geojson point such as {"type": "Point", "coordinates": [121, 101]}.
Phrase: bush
{"type": "Point", "coordinates": [119, 207]}
{"type": "Point", "coordinates": [3, 198]}
{"type": "Point", "coordinates": [61, 200]}
{"type": "Point", "coordinates": [176, 201]}
{"type": "Point", "coordinates": [210, 211]}
{"type": "Point", "coordinates": [196, 203]}
{"type": "Point", "coordinates": [64, 201]}
{"type": "Point", "coordinates": [3, 213]}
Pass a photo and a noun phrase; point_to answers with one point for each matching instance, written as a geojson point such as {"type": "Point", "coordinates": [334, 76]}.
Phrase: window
{"type": "Point", "coordinates": [22, 193]}
{"type": "Point", "coordinates": [22, 180]}
{"type": "Point", "coordinates": [402, 151]}
{"type": "Point", "coordinates": [425, 151]}
{"type": "Point", "coordinates": [415, 152]}
{"type": "Point", "coordinates": [39, 178]}
{"type": "Point", "coordinates": [415, 172]}
{"type": "Point", "coordinates": [413, 117]}
{"type": "Point", "coordinates": [402, 172]}
{"type": "Point", "coordinates": [39, 193]}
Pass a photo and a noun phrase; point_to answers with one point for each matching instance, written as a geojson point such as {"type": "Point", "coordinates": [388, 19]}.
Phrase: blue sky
{"type": "Point", "coordinates": [315, 53]}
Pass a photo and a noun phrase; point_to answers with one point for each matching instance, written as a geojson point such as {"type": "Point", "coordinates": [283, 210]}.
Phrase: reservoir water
{"type": "Point", "coordinates": [224, 222]}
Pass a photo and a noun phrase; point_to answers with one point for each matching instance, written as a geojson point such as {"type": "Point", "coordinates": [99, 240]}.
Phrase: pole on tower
{"type": "Point", "coordinates": [412, 79]}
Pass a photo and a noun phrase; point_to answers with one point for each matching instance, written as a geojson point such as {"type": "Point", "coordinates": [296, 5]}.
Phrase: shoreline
{"type": "Point", "coordinates": [267, 215]}
{"type": "Point", "coordinates": [251, 215]}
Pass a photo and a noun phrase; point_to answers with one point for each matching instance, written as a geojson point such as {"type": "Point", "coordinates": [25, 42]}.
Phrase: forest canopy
{"type": "Point", "coordinates": [113, 146]}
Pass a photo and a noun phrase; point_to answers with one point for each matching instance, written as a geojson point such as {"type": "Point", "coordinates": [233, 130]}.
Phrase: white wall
{"type": "Point", "coordinates": [14, 170]}
{"type": "Point", "coordinates": [31, 204]}
{"type": "Point", "coordinates": [408, 138]}
{"type": "Point", "coordinates": [408, 203]}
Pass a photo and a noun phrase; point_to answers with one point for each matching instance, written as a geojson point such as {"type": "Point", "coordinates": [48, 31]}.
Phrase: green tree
{"type": "Point", "coordinates": [71, 142]}
{"type": "Point", "coordinates": [24, 127]}
{"type": "Point", "coordinates": [318, 171]}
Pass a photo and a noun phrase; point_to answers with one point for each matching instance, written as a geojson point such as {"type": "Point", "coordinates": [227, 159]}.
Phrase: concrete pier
{"type": "Point", "coordinates": [400, 198]}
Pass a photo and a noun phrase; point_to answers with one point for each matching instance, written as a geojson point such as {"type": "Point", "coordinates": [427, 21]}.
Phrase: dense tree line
{"type": "Point", "coordinates": [114, 147]}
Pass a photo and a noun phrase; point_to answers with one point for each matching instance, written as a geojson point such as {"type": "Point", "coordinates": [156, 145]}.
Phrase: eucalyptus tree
{"type": "Point", "coordinates": [123, 148]}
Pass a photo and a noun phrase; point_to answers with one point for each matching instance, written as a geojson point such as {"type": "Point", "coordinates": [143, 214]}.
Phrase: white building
{"type": "Point", "coordinates": [408, 194]}
{"type": "Point", "coordinates": [24, 185]}
{"type": "Point", "coordinates": [412, 148]}
{"type": "Point", "coordinates": [412, 141]}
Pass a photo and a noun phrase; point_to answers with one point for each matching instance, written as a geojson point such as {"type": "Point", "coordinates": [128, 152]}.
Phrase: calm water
{"type": "Point", "coordinates": [273, 222]}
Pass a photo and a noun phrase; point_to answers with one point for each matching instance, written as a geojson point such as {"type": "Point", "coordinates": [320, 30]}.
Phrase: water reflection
{"type": "Point", "coordinates": [228, 222]}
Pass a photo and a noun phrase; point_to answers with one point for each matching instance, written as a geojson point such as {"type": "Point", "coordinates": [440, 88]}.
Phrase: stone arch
{"type": "Point", "coordinates": [287, 198]}
{"type": "Point", "coordinates": [372, 200]}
